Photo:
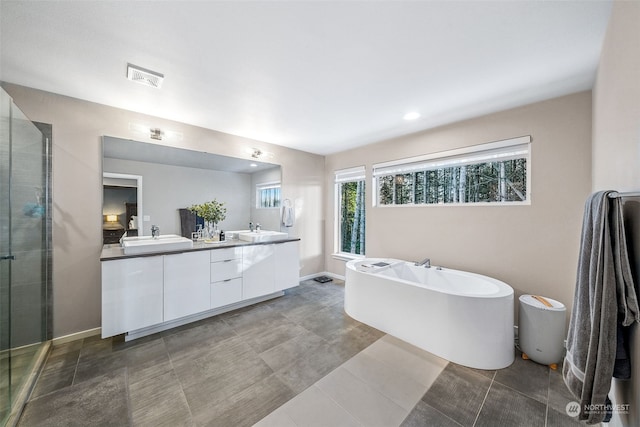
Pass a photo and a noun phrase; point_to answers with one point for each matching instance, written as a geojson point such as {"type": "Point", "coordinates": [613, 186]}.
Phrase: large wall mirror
{"type": "Point", "coordinates": [146, 184]}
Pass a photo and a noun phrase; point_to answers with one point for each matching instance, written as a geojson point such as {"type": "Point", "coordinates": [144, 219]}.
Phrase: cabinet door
{"type": "Point", "coordinates": [226, 292]}
{"type": "Point", "coordinates": [258, 275]}
{"type": "Point", "coordinates": [131, 294]}
{"type": "Point", "coordinates": [287, 265]}
{"type": "Point", "coordinates": [186, 284]}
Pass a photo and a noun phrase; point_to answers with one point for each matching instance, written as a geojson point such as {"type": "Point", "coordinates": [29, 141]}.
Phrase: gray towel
{"type": "Point", "coordinates": [604, 290]}
{"type": "Point", "coordinates": [187, 222]}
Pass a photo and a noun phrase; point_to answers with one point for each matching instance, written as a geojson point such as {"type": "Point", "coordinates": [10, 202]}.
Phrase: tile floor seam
{"type": "Point", "coordinates": [437, 410]}
{"type": "Point", "coordinates": [373, 389]}
{"type": "Point", "coordinates": [335, 401]}
{"type": "Point", "coordinates": [523, 394]}
{"type": "Point", "coordinates": [380, 360]}
{"type": "Point", "coordinates": [128, 392]}
{"type": "Point", "coordinates": [75, 371]}
{"type": "Point", "coordinates": [546, 412]}
{"type": "Point", "coordinates": [179, 382]}
{"type": "Point", "coordinates": [284, 412]}
{"type": "Point", "coordinates": [483, 402]}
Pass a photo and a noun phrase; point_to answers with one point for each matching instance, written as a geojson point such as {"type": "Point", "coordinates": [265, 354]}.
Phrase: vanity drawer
{"type": "Point", "coordinates": [226, 254]}
{"type": "Point", "coordinates": [228, 269]}
{"type": "Point", "coordinates": [226, 292]}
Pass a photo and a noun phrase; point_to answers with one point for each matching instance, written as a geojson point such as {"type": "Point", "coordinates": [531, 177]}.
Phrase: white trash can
{"type": "Point", "coordinates": [541, 332]}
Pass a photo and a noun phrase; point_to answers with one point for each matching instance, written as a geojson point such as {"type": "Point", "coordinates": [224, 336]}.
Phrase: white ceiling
{"type": "Point", "coordinates": [318, 76]}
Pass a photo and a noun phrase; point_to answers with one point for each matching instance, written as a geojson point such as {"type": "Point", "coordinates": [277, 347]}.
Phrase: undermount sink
{"type": "Point", "coordinates": [262, 236]}
{"type": "Point", "coordinates": [147, 244]}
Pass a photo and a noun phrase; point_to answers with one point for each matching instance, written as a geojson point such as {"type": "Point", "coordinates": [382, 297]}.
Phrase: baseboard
{"type": "Point", "coordinates": [324, 273]}
{"type": "Point", "coordinates": [76, 336]}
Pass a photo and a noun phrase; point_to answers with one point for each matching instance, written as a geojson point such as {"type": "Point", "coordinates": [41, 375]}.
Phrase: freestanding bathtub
{"type": "Point", "coordinates": [463, 317]}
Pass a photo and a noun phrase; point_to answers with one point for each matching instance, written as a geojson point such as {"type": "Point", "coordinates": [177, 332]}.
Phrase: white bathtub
{"type": "Point", "coordinates": [463, 317]}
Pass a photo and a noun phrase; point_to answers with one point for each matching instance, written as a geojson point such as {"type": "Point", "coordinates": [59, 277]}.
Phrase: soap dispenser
{"type": "Point", "coordinates": [222, 235]}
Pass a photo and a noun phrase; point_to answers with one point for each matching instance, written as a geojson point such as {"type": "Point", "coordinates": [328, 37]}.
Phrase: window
{"type": "Point", "coordinates": [350, 211]}
{"type": "Point", "coordinates": [497, 172]}
{"type": "Point", "coordinates": [268, 195]}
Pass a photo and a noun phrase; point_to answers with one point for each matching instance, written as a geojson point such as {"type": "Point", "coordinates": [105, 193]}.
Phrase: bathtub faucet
{"type": "Point", "coordinates": [425, 262]}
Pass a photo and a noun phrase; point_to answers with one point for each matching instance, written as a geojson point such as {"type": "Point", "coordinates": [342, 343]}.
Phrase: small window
{"type": "Point", "coordinates": [497, 172]}
{"type": "Point", "coordinates": [268, 195]}
{"type": "Point", "coordinates": [350, 211]}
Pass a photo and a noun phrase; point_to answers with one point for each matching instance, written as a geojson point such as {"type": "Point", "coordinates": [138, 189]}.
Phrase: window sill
{"type": "Point", "coordinates": [344, 256]}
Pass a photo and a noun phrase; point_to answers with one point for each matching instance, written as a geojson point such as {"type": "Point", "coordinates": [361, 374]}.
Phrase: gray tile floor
{"type": "Point", "coordinates": [237, 368]}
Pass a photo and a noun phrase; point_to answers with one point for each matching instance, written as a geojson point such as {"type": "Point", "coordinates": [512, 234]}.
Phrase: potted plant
{"type": "Point", "coordinates": [212, 212]}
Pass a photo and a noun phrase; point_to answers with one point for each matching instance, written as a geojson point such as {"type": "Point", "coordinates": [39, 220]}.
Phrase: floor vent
{"type": "Point", "coordinates": [323, 279]}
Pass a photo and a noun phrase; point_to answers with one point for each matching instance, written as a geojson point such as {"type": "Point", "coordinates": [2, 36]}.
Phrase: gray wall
{"type": "Point", "coordinates": [616, 154]}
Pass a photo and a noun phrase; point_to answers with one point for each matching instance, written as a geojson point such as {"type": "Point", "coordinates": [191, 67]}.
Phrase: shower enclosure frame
{"type": "Point", "coordinates": [26, 323]}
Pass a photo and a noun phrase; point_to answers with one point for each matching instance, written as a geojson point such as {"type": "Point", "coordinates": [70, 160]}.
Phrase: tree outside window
{"type": "Point", "coordinates": [495, 173]}
{"type": "Point", "coordinates": [350, 211]}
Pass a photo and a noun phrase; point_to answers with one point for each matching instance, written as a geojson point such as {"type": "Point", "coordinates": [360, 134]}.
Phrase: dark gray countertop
{"type": "Point", "coordinates": [115, 252]}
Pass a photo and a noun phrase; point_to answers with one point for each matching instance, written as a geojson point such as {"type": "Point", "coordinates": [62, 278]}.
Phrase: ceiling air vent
{"type": "Point", "coordinates": [146, 77]}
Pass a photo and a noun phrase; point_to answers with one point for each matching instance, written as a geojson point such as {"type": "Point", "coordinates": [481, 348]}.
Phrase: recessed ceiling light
{"type": "Point", "coordinates": [411, 116]}
{"type": "Point", "coordinates": [144, 76]}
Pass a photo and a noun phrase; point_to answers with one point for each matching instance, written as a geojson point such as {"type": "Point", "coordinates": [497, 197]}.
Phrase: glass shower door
{"type": "Point", "coordinates": [24, 250]}
{"type": "Point", "coordinates": [5, 264]}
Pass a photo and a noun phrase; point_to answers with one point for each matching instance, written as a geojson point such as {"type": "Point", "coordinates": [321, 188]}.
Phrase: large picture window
{"type": "Point", "coordinates": [497, 172]}
{"type": "Point", "coordinates": [350, 211]}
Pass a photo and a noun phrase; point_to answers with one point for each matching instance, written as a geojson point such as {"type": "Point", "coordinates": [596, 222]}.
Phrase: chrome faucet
{"type": "Point", "coordinates": [155, 231]}
{"type": "Point", "coordinates": [425, 262]}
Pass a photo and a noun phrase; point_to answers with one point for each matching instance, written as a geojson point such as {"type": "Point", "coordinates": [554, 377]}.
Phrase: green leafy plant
{"type": "Point", "coordinates": [212, 211]}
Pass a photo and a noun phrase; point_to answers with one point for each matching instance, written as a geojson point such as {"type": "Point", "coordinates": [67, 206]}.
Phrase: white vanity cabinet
{"type": "Point", "coordinates": [270, 268]}
{"type": "Point", "coordinates": [259, 270]}
{"type": "Point", "coordinates": [226, 276]}
{"type": "Point", "coordinates": [147, 294]}
{"type": "Point", "coordinates": [186, 284]}
{"type": "Point", "coordinates": [132, 294]}
{"type": "Point", "coordinates": [287, 262]}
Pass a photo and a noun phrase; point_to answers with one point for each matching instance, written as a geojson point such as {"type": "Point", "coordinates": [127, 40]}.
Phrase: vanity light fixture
{"type": "Point", "coordinates": [156, 134]}
{"type": "Point", "coordinates": [144, 130]}
{"type": "Point", "coordinates": [258, 153]}
{"type": "Point", "coordinates": [144, 76]}
{"type": "Point", "coordinates": [411, 116]}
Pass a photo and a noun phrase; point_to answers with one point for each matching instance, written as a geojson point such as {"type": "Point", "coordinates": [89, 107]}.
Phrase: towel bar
{"type": "Point", "coordinates": [628, 194]}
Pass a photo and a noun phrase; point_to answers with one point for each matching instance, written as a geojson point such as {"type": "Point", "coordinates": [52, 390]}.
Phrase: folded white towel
{"type": "Point", "coordinates": [288, 216]}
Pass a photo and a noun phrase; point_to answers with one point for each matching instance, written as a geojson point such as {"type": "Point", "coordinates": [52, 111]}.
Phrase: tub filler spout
{"type": "Point", "coordinates": [425, 262]}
